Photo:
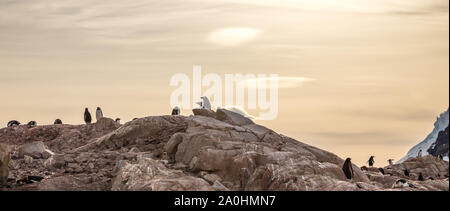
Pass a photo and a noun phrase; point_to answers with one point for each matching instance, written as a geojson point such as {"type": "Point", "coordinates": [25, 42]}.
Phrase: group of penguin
{"type": "Point", "coordinates": [87, 118]}
{"type": "Point", "coordinates": [348, 169]}
{"type": "Point", "coordinates": [204, 104]}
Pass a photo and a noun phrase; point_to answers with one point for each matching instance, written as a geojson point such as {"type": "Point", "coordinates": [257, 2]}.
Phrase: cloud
{"type": "Point", "coordinates": [240, 111]}
{"type": "Point", "coordinates": [276, 81]}
{"type": "Point", "coordinates": [231, 37]}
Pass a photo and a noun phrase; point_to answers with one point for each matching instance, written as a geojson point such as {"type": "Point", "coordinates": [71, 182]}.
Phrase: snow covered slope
{"type": "Point", "coordinates": [440, 125]}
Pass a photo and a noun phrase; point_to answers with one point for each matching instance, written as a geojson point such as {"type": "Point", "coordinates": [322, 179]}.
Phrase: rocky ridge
{"type": "Point", "coordinates": [210, 150]}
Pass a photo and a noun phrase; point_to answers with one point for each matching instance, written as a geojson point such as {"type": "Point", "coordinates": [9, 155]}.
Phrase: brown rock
{"type": "Point", "coordinates": [4, 163]}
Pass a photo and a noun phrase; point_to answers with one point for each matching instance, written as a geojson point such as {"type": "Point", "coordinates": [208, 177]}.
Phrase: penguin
{"type": "Point", "coordinates": [381, 170]}
{"type": "Point", "coordinates": [176, 111]}
{"type": "Point", "coordinates": [400, 183]}
{"type": "Point", "coordinates": [57, 122]}
{"type": "Point", "coordinates": [440, 157]}
{"type": "Point", "coordinates": [118, 121]}
{"type": "Point", "coordinates": [364, 168]}
{"type": "Point", "coordinates": [13, 123]}
{"type": "Point", "coordinates": [31, 124]}
{"type": "Point", "coordinates": [391, 162]}
{"type": "Point", "coordinates": [98, 113]}
{"type": "Point", "coordinates": [87, 116]}
{"type": "Point", "coordinates": [371, 161]}
{"type": "Point", "coordinates": [348, 169]}
{"type": "Point", "coordinates": [406, 172]}
{"type": "Point", "coordinates": [419, 155]}
{"type": "Point", "coordinates": [420, 178]}
{"type": "Point", "coordinates": [205, 104]}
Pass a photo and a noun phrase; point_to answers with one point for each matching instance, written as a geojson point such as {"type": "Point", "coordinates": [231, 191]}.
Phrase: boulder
{"type": "Point", "coordinates": [204, 112]}
{"type": "Point", "coordinates": [34, 149]}
{"type": "Point", "coordinates": [151, 175]}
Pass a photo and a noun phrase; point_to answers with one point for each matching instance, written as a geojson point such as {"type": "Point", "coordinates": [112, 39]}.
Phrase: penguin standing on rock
{"type": "Point", "coordinates": [87, 116]}
{"type": "Point", "coordinates": [391, 162]}
{"type": "Point", "coordinates": [371, 161]}
{"type": "Point", "coordinates": [31, 124]}
{"type": "Point", "coordinates": [98, 113]}
{"type": "Point", "coordinates": [118, 121]}
{"type": "Point", "coordinates": [348, 169]}
{"type": "Point", "coordinates": [419, 155]}
{"type": "Point", "coordinates": [57, 122]}
{"type": "Point", "coordinates": [406, 172]}
{"type": "Point", "coordinates": [176, 110]}
{"type": "Point", "coordinates": [13, 123]}
{"type": "Point", "coordinates": [420, 177]}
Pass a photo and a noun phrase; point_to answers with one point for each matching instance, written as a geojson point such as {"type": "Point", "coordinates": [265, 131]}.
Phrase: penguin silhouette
{"type": "Point", "coordinates": [87, 116]}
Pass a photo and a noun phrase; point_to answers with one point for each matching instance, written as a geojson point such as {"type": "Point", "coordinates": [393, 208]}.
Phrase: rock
{"type": "Point", "coordinates": [4, 163]}
{"type": "Point", "coordinates": [28, 159]}
{"type": "Point", "coordinates": [105, 124]}
{"type": "Point", "coordinates": [151, 175]}
{"type": "Point", "coordinates": [195, 153]}
{"type": "Point", "coordinates": [204, 112]}
{"type": "Point", "coordinates": [232, 117]}
{"type": "Point", "coordinates": [33, 149]}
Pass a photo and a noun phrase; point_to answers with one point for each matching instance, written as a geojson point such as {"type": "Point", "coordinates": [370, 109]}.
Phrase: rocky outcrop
{"type": "Point", "coordinates": [4, 163]}
{"type": "Point", "coordinates": [224, 151]}
{"type": "Point", "coordinates": [440, 147]}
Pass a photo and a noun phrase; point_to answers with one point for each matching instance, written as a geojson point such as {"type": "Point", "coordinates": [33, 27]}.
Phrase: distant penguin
{"type": "Point", "coordinates": [13, 123]}
{"type": "Point", "coordinates": [31, 124]}
{"type": "Point", "coordinates": [176, 110]}
{"type": "Point", "coordinates": [381, 170]}
{"type": "Point", "coordinates": [391, 162]}
{"type": "Point", "coordinates": [205, 104]}
{"type": "Point", "coordinates": [118, 121]}
{"type": "Point", "coordinates": [419, 155]}
{"type": "Point", "coordinates": [371, 161]}
{"type": "Point", "coordinates": [348, 169]}
{"type": "Point", "coordinates": [364, 168]}
{"type": "Point", "coordinates": [440, 157]}
{"type": "Point", "coordinates": [406, 172]}
{"type": "Point", "coordinates": [98, 113]}
{"type": "Point", "coordinates": [87, 116]}
{"type": "Point", "coordinates": [420, 178]}
{"type": "Point", "coordinates": [57, 122]}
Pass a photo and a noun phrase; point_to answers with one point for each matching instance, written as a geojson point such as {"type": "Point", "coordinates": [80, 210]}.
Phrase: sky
{"type": "Point", "coordinates": [377, 70]}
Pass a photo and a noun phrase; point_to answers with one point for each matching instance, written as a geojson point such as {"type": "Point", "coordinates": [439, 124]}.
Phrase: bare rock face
{"type": "Point", "coordinates": [224, 151]}
{"type": "Point", "coordinates": [151, 175]}
{"type": "Point", "coordinates": [34, 149]}
{"type": "Point", "coordinates": [4, 163]}
{"type": "Point", "coordinates": [204, 112]}
{"type": "Point", "coordinates": [232, 117]}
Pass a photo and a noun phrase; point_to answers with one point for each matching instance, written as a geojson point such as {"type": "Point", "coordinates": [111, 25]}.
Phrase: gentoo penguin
{"type": "Point", "coordinates": [440, 157]}
{"type": "Point", "coordinates": [419, 155]}
{"type": "Point", "coordinates": [347, 168]}
{"type": "Point", "coordinates": [406, 172]}
{"type": "Point", "coordinates": [381, 170]}
{"type": "Point", "coordinates": [98, 113]}
{"type": "Point", "coordinates": [391, 161]}
{"type": "Point", "coordinates": [176, 111]}
{"type": "Point", "coordinates": [13, 123]}
{"type": "Point", "coordinates": [420, 178]}
{"type": "Point", "coordinates": [118, 121]}
{"type": "Point", "coordinates": [31, 124]}
{"type": "Point", "coordinates": [400, 183]}
{"type": "Point", "coordinates": [57, 122]}
{"type": "Point", "coordinates": [205, 104]}
{"type": "Point", "coordinates": [371, 161]}
{"type": "Point", "coordinates": [87, 116]}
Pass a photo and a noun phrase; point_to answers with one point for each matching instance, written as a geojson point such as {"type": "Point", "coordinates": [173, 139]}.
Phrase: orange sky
{"type": "Point", "coordinates": [380, 68]}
